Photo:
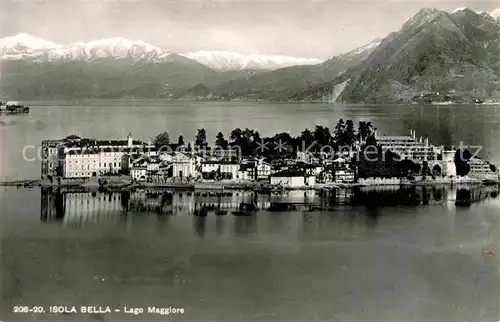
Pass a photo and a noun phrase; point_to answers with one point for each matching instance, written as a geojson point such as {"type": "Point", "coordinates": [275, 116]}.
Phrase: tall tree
{"type": "Point", "coordinates": [364, 130]}
{"type": "Point", "coordinates": [162, 140]}
{"type": "Point", "coordinates": [200, 141]}
{"type": "Point", "coordinates": [306, 138]}
{"type": "Point", "coordinates": [322, 135]}
{"type": "Point", "coordinates": [220, 141]}
{"type": "Point", "coordinates": [350, 133]}
{"type": "Point", "coordinates": [339, 133]}
{"type": "Point", "coordinates": [461, 160]}
{"type": "Point", "coordinates": [180, 141]}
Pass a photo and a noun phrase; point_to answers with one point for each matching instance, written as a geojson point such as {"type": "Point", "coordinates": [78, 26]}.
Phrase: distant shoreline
{"type": "Point", "coordinates": [72, 102]}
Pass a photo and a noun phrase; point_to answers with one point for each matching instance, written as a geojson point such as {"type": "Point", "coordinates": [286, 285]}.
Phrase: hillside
{"type": "Point", "coordinates": [33, 68]}
{"type": "Point", "coordinates": [102, 78]}
{"type": "Point", "coordinates": [435, 56]}
{"type": "Point", "coordinates": [282, 83]}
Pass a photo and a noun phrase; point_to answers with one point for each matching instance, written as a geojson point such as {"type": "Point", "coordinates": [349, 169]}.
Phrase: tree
{"type": "Point", "coordinates": [436, 170]}
{"type": "Point", "coordinates": [425, 168]}
{"type": "Point", "coordinates": [306, 138]}
{"type": "Point", "coordinates": [322, 135]}
{"type": "Point", "coordinates": [338, 133]}
{"type": "Point", "coordinates": [364, 130]}
{"type": "Point", "coordinates": [235, 134]}
{"type": "Point", "coordinates": [493, 168]}
{"type": "Point", "coordinates": [461, 160]}
{"type": "Point", "coordinates": [349, 134]}
{"type": "Point", "coordinates": [162, 140]}
{"type": "Point", "coordinates": [180, 141]}
{"type": "Point", "coordinates": [201, 139]}
{"type": "Point", "coordinates": [220, 141]}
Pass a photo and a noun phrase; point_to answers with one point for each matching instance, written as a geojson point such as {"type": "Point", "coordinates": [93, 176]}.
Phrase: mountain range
{"type": "Point", "coordinates": [27, 47]}
{"type": "Point", "coordinates": [436, 55]}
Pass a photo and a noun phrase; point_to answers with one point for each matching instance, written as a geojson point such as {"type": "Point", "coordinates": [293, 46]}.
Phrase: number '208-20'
{"type": "Point", "coordinates": [26, 309]}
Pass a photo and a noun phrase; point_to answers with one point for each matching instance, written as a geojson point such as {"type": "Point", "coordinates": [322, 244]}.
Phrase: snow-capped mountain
{"type": "Point", "coordinates": [24, 45]}
{"type": "Point", "coordinates": [496, 14]}
{"type": "Point", "coordinates": [109, 48]}
{"type": "Point", "coordinates": [225, 60]}
{"type": "Point", "coordinates": [368, 48]}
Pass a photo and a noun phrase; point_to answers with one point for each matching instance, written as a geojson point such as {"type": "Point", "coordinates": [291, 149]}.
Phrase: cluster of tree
{"type": "Point", "coordinates": [461, 160]}
{"type": "Point", "coordinates": [282, 144]}
{"type": "Point", "coordinates": [373, 162]}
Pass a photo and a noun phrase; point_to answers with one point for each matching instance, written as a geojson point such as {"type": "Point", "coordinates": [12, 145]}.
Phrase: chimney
{"type": "Point", "coordinates": [427, 141]}
{"type": "Point", "coordinates": [375, 133]}
{"type": "Point", "coordinates": [420, 139]}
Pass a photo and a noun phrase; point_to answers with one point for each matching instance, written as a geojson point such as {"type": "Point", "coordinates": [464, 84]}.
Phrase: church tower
{"type": "Point", "coordinates": [129, 140]}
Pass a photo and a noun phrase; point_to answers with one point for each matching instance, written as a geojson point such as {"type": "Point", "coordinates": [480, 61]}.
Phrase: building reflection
{"type": "Point", "coordinates": [84, 207]}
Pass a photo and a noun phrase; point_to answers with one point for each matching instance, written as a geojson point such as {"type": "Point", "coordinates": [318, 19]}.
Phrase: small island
{"type": "Point", "coordinates": [13, 108]}
{"type": "Point", "coordinates": [349, 155]}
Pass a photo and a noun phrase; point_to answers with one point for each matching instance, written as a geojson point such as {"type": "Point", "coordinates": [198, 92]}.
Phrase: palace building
{"type": "Point", "coordinates": [409, 147]}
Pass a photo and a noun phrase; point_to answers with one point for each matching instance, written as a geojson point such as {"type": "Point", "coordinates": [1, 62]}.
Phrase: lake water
{"type": "Point", "coordinates": [417, 254]}
{"type": "Point", "coordinates": [476, 125]}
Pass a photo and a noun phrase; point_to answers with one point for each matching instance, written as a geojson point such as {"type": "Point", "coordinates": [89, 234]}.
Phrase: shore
{"type": "Point", "coordinates": [255, 186]}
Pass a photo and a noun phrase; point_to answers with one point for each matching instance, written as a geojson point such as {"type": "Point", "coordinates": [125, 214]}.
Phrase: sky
{"type": "Point", "coordinates": [311, 28]}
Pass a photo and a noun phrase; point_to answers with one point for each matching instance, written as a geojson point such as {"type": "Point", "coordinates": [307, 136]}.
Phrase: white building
{"type": "Point", "coordinates": [409, 147]}
{"type": "Point", "coordinates": [138, 173]}
{"type": "Point", "coordinates": [229, 169]}
{"type": "Point", "coordinates": [209, 166]}
{"type": "Point", "coordinates": [449, 168]}
{"type": "Point", "coordinates": [293, 179]}
{"type": "Point", "coordinates": [344, 175]}
{"type": "Point", "coordinates": [481, 169]}
{"type": "Point", "coordinates": [263, 170]}
{"type": "Point", "coordinates": [184, 166]}
{"type": "Point", "coordinates": [84, 158]}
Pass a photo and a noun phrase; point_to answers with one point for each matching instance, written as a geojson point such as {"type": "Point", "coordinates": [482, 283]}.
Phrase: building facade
{"type": "Point", "coordinates": [417, 150]}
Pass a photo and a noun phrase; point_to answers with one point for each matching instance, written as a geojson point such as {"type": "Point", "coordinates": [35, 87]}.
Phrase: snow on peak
{"type": "Point", "coordinates": [459, 9]}
{"type": "Point", "coordinates": [24, 45]}
{"type": "Point", "coordinates": [28, 41]}
{"type": "Point", "coordinates": [366, 48]}
{"type": "Point", "coordinates": [226, 60]}
{"type": "Point", "coordinates": [420, 18]}
{"type": "Point", "coordinates": [117, 47]}
{"type": "Point", "coordinates": [495, 13]}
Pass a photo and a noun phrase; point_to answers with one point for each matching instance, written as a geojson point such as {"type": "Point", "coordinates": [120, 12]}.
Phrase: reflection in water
{"type": "Point", "coordinates": [81, 207]}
